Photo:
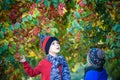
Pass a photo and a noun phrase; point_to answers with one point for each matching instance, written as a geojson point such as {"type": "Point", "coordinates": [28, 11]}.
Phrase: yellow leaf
{"type": "Point", "coordinates": [77, 1]}
{"type": "Point", "coordinates": [29, 45]}
{"type": "Point", "coordinates": [36, 10]}
{"type": "Point", "coordinates": [64, 10]}
{"type": "Point", "coordinates": [93, 24]}
{"type": "Point", "coordinates": [112, 14]}
{"type": "Point", "coordinates": [34, 15]}
{"type": "Point", "coordinates": [32, 53]}
{"type": "Point", "coordinates": [67, 58]}
{"type": "Point", "coordinates": [102, 21]}
{"type": "Point", "coordinates": [99, 23]}
{"type": "Point", "coordinates": [5, 24]}
{"type": "Point", "coordinates": [23, 1]}
{"type": "Point", "coordinates": [97, 14]}
{"type": "Point", "coordinates": [25, 14]}
{"type": "Point", "coordinates": [102, 27]}
{"type": "Point", "coordinates": [69, 25]}
{"type": "Point", "coordinates": [20, 4]}
{"type": "Point", "coordinates": [74, 69]}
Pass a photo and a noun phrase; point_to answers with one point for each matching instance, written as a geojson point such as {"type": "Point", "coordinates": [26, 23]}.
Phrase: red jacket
{"type": "Point", "coordinates": [44, 67]}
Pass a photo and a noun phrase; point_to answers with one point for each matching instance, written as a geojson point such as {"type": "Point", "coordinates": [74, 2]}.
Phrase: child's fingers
{"type": "Point", "coordinates": [23, 59]}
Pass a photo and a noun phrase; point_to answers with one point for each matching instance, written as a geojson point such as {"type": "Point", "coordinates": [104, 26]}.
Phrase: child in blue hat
{"type": "Point", "coordinates": [95, 65]}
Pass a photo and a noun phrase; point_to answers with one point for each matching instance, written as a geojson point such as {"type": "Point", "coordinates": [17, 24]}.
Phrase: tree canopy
{"type": "Point", "coordinates": [78, 24]}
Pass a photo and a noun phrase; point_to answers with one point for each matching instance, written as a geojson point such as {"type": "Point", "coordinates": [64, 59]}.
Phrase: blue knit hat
{"type": "Point", "coordinates": [46, 42]}
{"type": "Point", "coordinates": [96, 57]}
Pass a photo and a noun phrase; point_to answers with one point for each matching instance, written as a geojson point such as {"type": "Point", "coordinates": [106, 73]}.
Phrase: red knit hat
{"type": "Point", "coordinates": [46, 42]}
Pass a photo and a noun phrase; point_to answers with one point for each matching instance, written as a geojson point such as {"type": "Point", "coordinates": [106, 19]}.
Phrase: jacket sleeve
{"type": "Point", "coordinates": [32, 71]}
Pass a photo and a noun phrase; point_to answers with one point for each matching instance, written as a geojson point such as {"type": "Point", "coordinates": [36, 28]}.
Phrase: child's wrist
{"type": "Point", "coordinates": [23, 61]}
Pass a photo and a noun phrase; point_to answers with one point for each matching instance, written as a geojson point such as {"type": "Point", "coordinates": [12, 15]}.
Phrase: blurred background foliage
{"type": "Point", "coordinates": [79, 25]}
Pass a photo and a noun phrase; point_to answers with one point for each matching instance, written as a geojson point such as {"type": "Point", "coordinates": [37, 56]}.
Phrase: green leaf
{"type": "Point", "coordinates": [69, 29]}
{"type": "Point", "coordinates": [73, 2]}
{"type": "Point", "coordinates": [77, 14]}
{"type": "Point", "coordinates": [85, 14]}
{"type": "Point", "coordinates": [81, 23]}
{"type": "Point", "coordinates": [7, 1]}
{"type": "Point", "coordinates": [61, 1]}
{"type": "Point", "coordinates": [31, 0]}
{"type": "Point", "coordinates": [3, 30]}
{"type": "Point", "coordinates": [0, 25]}
{"type": "Point", "coordinates": [77, 6]}
{"type": "Point", "coordinates": [24, 19]}
{"type": "Point", "coordinates": [21, 50]}
{"type": "Point", "coordinates": [96, 39]}
{"type": "Point", "coordinates": [29, 17]}
{"type": "Point", "coordinates": [112, 46]}
{"type": "Point", "coordinates": [118, 37]}
{"type": "Point", "coordinates": [12, 59]}
{"type": "Point", "coordinates": [5, 45]}
{"type": "Point", "coordinates": [1, 49]}
{"type": "Point", "coordinates": [46, 3]}
{"type": "Point", "coordinates": [118, 43]}
{"type": "Point", "coordinates": [36, 22]}
{"type": "Point", "coordinates": [37, 13]}
{"type": "Point", "coordinates": [10, 27]}
{"type": "Point", "coordinates": [6, 7]}
{"type": "Point", "coordinates": [38, 1]}
{"type": "Point", "coordinates": [54, 31]}
{"type": "Point", "coordinates": [89, 27]}
{"type": "Point", "coordinates": [1, 3]}
{"type": "Point", "coordinates": [76, 24]}
{"type": "Point", "coordinates": [112, 54]}
{"type": "Point", "coordinates": [116, 28]}
{"type": "Point", "coordinates": [14, 45]}
{"type": "Point", "coordinates": [72, 31]}
{"type": "Point", "coordinates": [11, 50]}
{"type": "Point", "coordinates": [55, 3]}
{"type": "Point", "coordinates": [24, 26]}
{"type": "Point", "coordinates": [17, 25]}
{"type": "Point", "coordinates": [1, 35]}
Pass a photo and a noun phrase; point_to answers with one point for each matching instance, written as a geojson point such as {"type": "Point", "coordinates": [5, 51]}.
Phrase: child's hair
{"type": "Point", "coordinates": [96, 57]}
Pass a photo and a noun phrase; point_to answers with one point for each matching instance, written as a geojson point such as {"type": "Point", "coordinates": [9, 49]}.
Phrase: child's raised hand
{"type": "Point", "coordinates": [23, 59]}
{"type": "Point", "coordinates": [19, 58]}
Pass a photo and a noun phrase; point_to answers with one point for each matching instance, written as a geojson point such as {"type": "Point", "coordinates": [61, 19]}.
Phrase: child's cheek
{"type": "Point", "coordinates": [53, 48]}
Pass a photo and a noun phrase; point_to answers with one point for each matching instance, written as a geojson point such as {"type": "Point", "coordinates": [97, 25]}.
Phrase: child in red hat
{"type": "Point", "coordinates": [54, 66]}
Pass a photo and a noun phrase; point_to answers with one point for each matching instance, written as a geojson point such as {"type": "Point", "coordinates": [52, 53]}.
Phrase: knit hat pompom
{"type": "Point", "coordinates": [96, 57]}
{"type": "Point", "coordinates": [45, 42]}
